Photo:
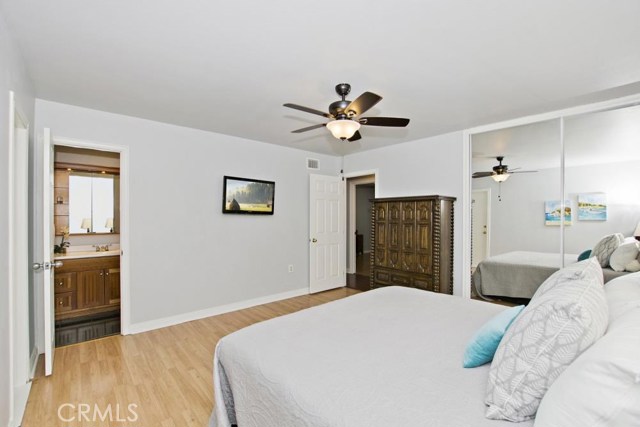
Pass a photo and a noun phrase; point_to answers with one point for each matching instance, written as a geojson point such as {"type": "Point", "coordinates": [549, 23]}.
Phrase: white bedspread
{"type": "Point", "coordinates": [388, 357]}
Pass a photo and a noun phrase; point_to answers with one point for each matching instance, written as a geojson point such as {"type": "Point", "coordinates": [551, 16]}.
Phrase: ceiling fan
{"type": "Point", "coordinates": [344, 114]}
{"type": "Point", "coordinates": [500, 172]}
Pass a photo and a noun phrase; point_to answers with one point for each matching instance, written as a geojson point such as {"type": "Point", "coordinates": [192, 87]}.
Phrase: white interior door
{"type": "Point", "coordinates": [48, 264]}
{"type": "Point", "coordinates": [480, 208]}
{"type": "Point", "coordinates": [327, 234]}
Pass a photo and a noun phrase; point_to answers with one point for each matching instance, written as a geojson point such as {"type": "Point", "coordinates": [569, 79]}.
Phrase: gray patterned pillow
{"type": "Point", "coordinates": [567, 314]}
{"type": "Point", "coordinates": [605, 247]}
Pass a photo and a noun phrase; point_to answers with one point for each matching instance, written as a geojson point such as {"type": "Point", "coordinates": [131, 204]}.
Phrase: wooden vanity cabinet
{"type": "Point", "coordinates": [112, 286]}
{"type": "Point", "coordinates": [85, 286]}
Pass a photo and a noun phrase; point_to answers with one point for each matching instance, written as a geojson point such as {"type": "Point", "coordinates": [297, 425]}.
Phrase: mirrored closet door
{"type": "Point", "coordinates": [546, 193]}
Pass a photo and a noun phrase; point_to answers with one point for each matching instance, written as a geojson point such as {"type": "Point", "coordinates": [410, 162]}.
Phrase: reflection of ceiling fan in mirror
{"type": "Point", "coordinates": [500, 172]}
{"type": "Point", "coordinates": [344, 115]}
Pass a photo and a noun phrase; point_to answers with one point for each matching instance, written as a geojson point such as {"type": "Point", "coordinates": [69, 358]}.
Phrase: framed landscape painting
{"type": "Point", "coordinates": [592, 207]}
{"type": "Point", "coordinates": [247, 196]}
{"type": "Point", "coordinates": [552, 212]}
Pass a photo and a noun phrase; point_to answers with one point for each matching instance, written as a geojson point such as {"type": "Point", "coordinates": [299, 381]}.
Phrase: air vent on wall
{"type": "Point", "coordinates": [313, 163]}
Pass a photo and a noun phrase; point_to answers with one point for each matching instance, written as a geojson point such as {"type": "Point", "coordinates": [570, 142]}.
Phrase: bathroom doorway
{"type": "Point", "coordinates": [86, 214]}
{"type": "Point", "coordinates": [361, 191]}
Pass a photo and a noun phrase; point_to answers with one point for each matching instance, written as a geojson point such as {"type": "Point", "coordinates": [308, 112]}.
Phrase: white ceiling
{"type": "Point", "coordinates": [603, 137]}
{"type": "Point", "coordinates": [229, 66]}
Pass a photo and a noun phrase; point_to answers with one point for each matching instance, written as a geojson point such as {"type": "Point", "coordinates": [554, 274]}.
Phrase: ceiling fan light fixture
{"type": "Point", "coordinates": [343, 128]}
{"type": "Point", "coordinates": [501, 177]}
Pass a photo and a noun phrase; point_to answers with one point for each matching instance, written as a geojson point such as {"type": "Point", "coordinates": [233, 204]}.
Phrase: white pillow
{"type": "Point", "coordinates": [605, 247]}
{"type": "Point", "coordinates": [623, 255]}
{"type": "Point", "coordinates": [567, 314]}
{"type": "Point", "coordinates": [633, 266]}
{"type": "Point", "coordinates": [623, 294]}
{"type": "Point", "coordinates": [602, 386]}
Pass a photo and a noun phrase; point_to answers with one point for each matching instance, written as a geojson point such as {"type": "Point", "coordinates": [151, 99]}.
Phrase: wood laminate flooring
{"type": "Point", "coordinates": [167, 372]}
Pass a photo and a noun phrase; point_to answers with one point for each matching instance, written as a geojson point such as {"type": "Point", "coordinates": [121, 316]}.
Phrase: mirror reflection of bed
{"type": "Point", "coordinates": [526, 245]}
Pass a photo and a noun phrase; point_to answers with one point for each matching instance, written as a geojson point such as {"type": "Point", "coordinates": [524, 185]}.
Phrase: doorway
{"type": "Point", "coordinates": [480, 219]}
{"type": "Point", "coordinates": [86, 218]}
{"type": "Point", "coordinates": [361, 192]}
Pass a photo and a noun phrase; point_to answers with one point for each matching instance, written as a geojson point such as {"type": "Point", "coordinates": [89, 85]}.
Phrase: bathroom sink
{"type": "Point", "coordinates": [87, 254]}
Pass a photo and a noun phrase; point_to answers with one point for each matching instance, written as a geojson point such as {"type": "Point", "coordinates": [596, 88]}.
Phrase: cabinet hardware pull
{"type": "Point", "coordinates": [60, 303]}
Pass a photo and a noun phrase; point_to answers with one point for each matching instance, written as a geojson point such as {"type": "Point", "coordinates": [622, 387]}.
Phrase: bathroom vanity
{"type": "Point", "coordinates": [87, 296]}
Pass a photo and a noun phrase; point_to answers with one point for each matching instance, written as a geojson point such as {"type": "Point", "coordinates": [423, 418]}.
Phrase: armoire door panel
{"type": "Point", "coordinates": [423, 264]}
{"type": "Point", "coordinates": [381, 234]}
{"type": "Point", "coordinates": [380, 258]}
{"type": "Point", "coordinates": [408, 211]}
{"type": "Point", "coordinates": [381, 212]}
{"type": "Point", "coordinates": [424, 238]}
{"type": "Point", "coordinates": [423, 211]}
{"type": "Point", "coordinates": [394, 259]}
{"type": "Point", "coordinates": [408, 236]}
{"type": "Point", "coordinates": [408, 261]}
{"type": "Point", "coordinates": [394, 236]}
{"type": "Point", "coordinates": [394, 211]}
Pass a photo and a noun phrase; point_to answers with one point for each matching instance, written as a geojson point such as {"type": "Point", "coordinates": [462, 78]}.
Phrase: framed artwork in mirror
{"type": "Point", "coordinates": [592, 207]}
{"type": "Point", "coordinates": [553, 212]}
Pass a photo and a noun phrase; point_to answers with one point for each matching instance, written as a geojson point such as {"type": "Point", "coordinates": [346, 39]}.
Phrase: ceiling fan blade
{"type": "Point", "coordinates": [482, 174]}
{"type": "Point", "coordinates": [384, 121]}
{"type": "Point", "coordinates": [308, 110]}
{"type": "Point", "coordinates": [356, 136]}
{"type": "Point", "coordinates": [362, 103]}
{"type": "Point", "coordinates": [521, 171]}
{"type": "Point", "coordinates": [321, 125]}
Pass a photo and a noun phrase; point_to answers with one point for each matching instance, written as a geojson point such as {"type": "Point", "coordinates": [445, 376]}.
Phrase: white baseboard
{"type": "Point", "coordinates": [33, 361]}
{"type": "Point", "coordinates": [20, 404]}
{"type": "Point", "coordinates": [150, 325]}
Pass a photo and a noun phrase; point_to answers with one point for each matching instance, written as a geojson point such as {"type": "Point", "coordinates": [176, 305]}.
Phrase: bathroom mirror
{"type": "Point", "coordinates": [92, 202]}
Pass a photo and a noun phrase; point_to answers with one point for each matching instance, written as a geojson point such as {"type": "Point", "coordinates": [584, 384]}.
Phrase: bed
{"type": "Point", "coordinates": [518, 274]}
{"type": "Point", "coordinates": [387, 357]}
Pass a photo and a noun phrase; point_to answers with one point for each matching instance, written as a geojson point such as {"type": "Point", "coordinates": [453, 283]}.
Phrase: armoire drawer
{"type": "Point", "coordinates": [392, 278]}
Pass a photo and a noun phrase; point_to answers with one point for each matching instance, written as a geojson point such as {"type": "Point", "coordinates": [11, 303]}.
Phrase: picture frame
{"type": "Point", "coordinates": [248, 196]}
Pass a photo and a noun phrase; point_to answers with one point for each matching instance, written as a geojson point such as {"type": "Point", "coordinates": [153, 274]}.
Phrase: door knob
{"type": "Point", "coordinates": [37, 266]}
{"type": "Point", "coordinates": [314, 240]}
{"type": "Point", "coordinates": [56, 264]}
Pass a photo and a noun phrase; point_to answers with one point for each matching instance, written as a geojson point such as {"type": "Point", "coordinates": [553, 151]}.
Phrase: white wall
{"type": "Point", "coordinates": [363, 214]}
{"type": "Point", "coordinates": [517, 221]}
{"type": "Point", "coordinates": [185, 254]}
{"type": "Point", "coordinates": [422, 167]}
{"type": "Point", "coordinates": [13, 76]}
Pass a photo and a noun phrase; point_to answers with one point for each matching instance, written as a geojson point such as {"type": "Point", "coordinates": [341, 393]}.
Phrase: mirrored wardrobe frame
{"type": "Point", "coordinates": [628, 101]}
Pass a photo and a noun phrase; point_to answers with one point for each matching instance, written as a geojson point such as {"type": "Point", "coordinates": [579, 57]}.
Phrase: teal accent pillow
{"type": "Point", "coordinates": [584, 255]}
{"type": "Point", "coordinates": [484, 343]}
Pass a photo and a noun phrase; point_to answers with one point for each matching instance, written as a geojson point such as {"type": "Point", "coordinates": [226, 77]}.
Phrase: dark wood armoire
{"type": "Point", "coordinates": [413, 242]}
